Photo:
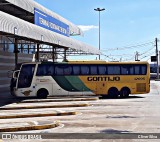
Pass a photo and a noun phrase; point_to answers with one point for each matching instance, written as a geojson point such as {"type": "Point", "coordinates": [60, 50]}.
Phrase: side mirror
{"type": "Point", "coordinates": [15, 74]}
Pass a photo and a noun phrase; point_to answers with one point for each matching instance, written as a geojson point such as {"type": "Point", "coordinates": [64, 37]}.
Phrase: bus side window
{"type": "Point", "coordinates": [127, 70]}
{"type": "Point", "coordinates": [102, 69]}
{"type": "Point", "coordinates": [137, 69]}
{"type": "Point", "coordinates": [67, 70]}
{"type": "Point", "coordinates": [124, 69]}
{"type": "Point", "coordinates": [40, 70]}
{"type": "Point", "coordinates": [143, 69]}
{"type": "Point", "coordinates": [58, 70]}
{"type": "Point", "coordinates": [93, 70]}
{"type": "Point", "coordinates": [76, 69]}
{"type": "Point", "coordinates": [131, 70]}
{"type": "Point", "coordinates": [84, 70]}
{"type": "Point", "coordinates": [50, 70]}
{"type": "Point", "coordinates": [113, 69]}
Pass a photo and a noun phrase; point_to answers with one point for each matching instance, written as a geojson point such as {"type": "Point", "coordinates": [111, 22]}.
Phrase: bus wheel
{"type": "Point", "coordinates": [42, 94]}
{"type": "Point", "coordinates": [113, 93]}
{"type": "Point", "coordinates": [124, 93]}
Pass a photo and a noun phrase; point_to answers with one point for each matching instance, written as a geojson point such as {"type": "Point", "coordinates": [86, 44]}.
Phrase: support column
{"type": "Point", "coordinates": [28, 48]}
{"type": "Point", "coordinates": [53, 53]}
{"type": "Point", "coordinates": [16, 51]}
{"type": "Point", "coordinates": [65, 54]}
{"type": "Point", "coordinates": [37, 53]}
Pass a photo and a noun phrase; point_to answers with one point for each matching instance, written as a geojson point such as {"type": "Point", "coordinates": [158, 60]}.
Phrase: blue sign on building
{"type": "Point", "coordinates": [44, 20]}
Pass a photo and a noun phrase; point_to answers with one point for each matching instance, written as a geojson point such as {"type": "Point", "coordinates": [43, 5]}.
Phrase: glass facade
{"type": "Point", "coordinates": [7, 44]}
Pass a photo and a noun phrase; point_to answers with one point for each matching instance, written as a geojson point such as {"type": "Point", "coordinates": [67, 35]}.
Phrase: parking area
{"type": "Point", "coordinates": [84, 114]}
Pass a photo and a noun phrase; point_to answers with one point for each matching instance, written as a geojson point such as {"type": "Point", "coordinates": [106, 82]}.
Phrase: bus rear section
{"type": "Point", "coordinates": [119, 79]}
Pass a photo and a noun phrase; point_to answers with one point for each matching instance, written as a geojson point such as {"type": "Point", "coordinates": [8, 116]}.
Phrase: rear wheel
{"type": "Point", "coordinates": [42, 94]}
{"type": "Point", "coordinates": [113, 93]}
{"type": "Point", "coordinates": [124, 93]}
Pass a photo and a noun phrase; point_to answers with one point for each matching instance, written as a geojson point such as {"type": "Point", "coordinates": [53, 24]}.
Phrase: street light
{"type": "Point", "coordinates": [99, 10]}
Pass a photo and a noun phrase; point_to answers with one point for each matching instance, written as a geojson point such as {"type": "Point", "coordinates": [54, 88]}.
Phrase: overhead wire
{"type": "Point", "coordinates": [131, 47]}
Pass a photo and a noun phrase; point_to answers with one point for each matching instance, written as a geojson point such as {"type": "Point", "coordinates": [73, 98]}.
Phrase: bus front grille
{"type": "Point", "coordinates": [141, 87]}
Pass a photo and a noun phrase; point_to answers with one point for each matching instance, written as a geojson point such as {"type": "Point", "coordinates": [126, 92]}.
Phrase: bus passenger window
{"type": "Point", "coordinates": [84, 70]}
{"type": "Point", "coordinates": [137, 69]}
{"type": "Point", "coordinates": [124, 70]}
{"type": "Point", "coordinates": [58, 70]}
{"type": "Point", "coordinates": [113, 69]}
{"type": "Point", "coordinates": [102, 69]}
{"type": "Point", "coordinates": [50, 70]}
{"type": "Point", "coordinates": [76, 70]}
{"type": "Point", "coordinates": [93, 70]}
{"type": "Point", "coordinates": [143, 69]}
{"type": "Point", "coordinates": [67, 70]}
{"type": "Point", "coordinates": [127, 70]}
{"type": "Point", "coordinates": [41, 71]}
{"type": "Point", "coordinates": [131, 70]}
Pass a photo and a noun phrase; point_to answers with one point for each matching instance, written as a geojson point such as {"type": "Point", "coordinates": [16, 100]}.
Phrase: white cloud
{"type": "Point", "coordinates": [87, 28]}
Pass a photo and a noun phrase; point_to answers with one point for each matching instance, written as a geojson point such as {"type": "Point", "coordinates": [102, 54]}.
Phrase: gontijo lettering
{"type": "Point", "coordinates": [116, 78]}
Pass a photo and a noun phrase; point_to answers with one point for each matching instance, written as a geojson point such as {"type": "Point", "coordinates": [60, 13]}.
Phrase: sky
{"type": "Point", "coordinates": [128, 27]}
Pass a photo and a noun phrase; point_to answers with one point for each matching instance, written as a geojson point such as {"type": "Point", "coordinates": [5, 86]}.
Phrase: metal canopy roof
{"type": "Point", "coordinates": [17, 27]}
{"type": "Point", "coordinates": [29, 6]}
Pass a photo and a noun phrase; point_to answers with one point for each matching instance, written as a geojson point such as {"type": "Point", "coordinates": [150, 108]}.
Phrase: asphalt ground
{"type": "Point", "coordinates": [138, 114]}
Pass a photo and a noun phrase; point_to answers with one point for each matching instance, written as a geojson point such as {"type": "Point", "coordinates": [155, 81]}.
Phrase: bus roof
{"type": "Point", "coordinates": [105, 62]}
{"type": "Point", "coordinates": [89, 62]}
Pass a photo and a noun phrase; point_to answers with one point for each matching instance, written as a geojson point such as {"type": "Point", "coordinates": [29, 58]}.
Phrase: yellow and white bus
{"type": "Point", "coordinates": [42, 79]}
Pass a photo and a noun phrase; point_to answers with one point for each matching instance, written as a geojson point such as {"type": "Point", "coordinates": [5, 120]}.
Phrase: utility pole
{"type": "Point", "coordinates": [156, 44]}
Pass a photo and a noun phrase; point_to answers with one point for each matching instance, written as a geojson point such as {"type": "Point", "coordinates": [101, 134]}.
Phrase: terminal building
{"type": "Point", "coordinates": [29, 31]}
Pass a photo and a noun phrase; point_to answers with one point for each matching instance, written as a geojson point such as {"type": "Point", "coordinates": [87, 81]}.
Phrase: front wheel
{"type": "Point", "coordinates": [42, 94]}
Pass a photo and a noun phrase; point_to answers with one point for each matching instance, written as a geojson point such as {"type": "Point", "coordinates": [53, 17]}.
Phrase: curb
{"type": "Point", "coordinates": [60, 100]}
{"type": "Point", "coordinates": [38, 115]}
{"type": "Point", "coordinates": [28, 128]}
{"type": "Point", "coordinates": [72, 96]}
{"type": "Point", "coordinates": [49, 106]}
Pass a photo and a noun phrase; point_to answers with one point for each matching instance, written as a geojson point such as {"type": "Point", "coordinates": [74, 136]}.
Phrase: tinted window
{"type": "Point", "coordinates": [102, 69]}
{"type": "Point", "coordinates": [45, 70]}
{"type": "Point", "coordinates": [63, 70]}
{"type": "Point", "coordinates": [67, 70]}
{"type": "Point", "coordinates": [143, 69]}
{"type": "Point", "coordinates": [93, 69]}
{"type": "Point", "coordinates": [26, 75]}
{"type": "Point", "coordinates": [124, 70]}
{"type": "Point", "coordinates": [137, 69]}
{"type": "Point", "coordinates": [84, 70]}
{"type": "Point", "coordinates": [113, 69]}
{"type": "Point", "coordinates": [76, 70]}
{"type": "Point", "coordinates": [127, 69]}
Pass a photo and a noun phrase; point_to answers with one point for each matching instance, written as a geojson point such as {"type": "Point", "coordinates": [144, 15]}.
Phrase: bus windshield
{"type": "Point", "coordinates": [26, 75]}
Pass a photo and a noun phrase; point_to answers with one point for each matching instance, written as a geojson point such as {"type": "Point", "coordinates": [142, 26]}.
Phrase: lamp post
{"type": "Point", "coordinates": [99, 10]}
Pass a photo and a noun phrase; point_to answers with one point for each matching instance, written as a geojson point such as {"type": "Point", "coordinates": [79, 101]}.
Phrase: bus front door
{"type": "Point", "coordinates": [25, 79]}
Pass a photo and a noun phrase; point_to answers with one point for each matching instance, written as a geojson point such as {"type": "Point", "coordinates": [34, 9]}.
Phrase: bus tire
{"type": "Point", "coordinates": [42, 94]}
{"type": "Point", "coordinates": [124, 93]}
{"type": "Point", "coordinates": [113, 92]}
